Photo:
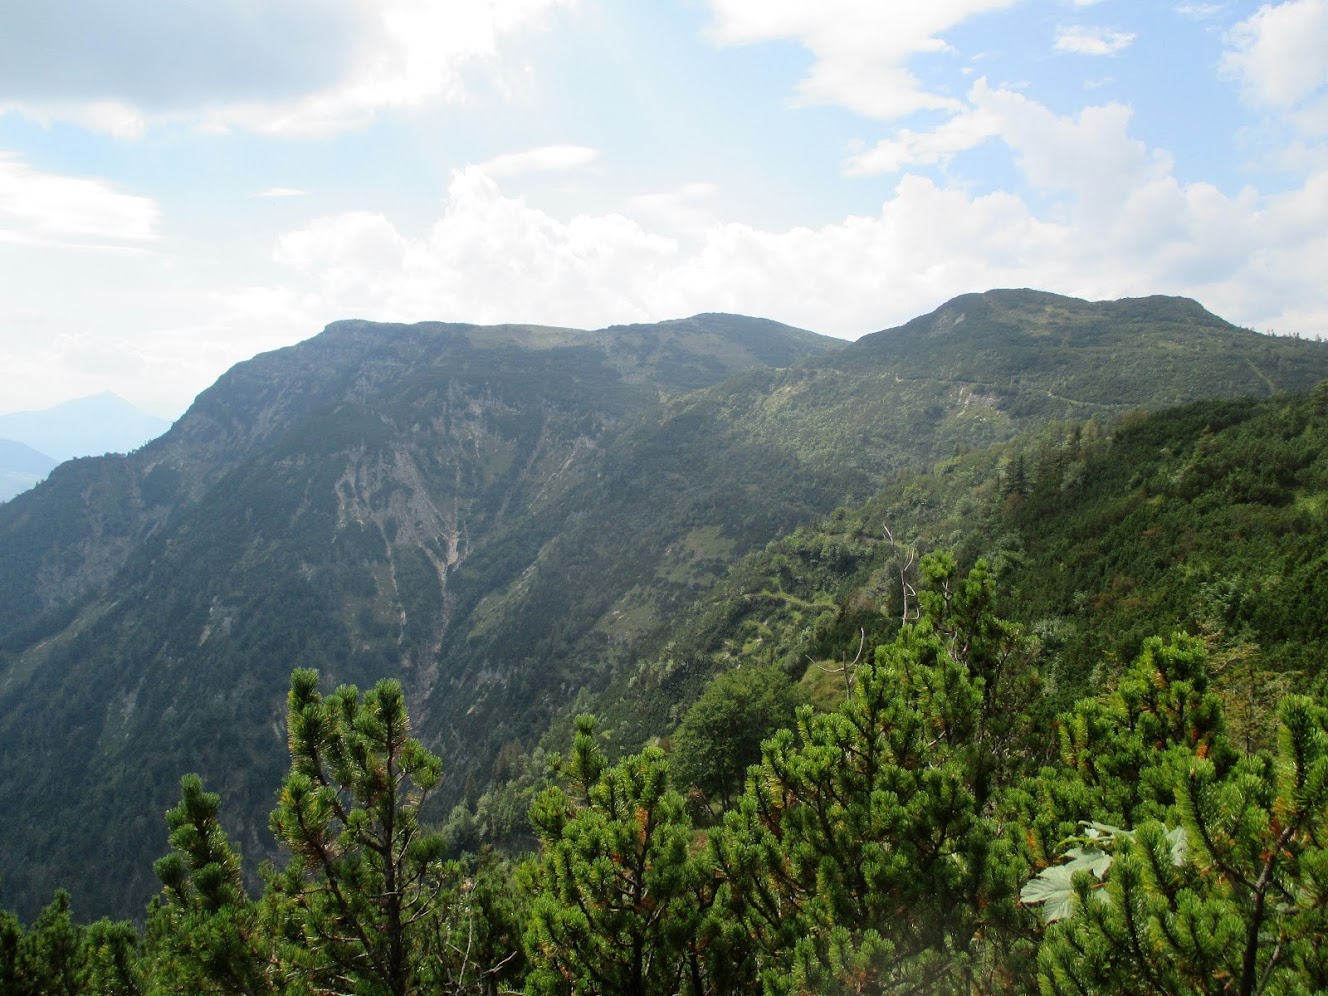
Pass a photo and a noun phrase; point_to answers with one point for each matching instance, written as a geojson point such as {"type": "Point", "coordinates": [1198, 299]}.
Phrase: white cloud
{"type": "Point", "coordinates": [910, 148]}
{"type": "Point", "coordinates": [678, 210]}
{"type": "Point", "coordinates": [1311, 117]}
{"type": "Point", "coordinates": [282, 66]}
{"type": "Point", "coordinates": [493, 258]}
{"type": "Point", "coordinates": [48, 209]}
{"type": "Point", "coordinates": [1200, 11]}
{"type": "Point", "coordinates": [420, 49]}
{"type": "Point", "coordinates": [106, 117]}
{"type": "Point", "coordinates": [860, 48]}
{"type": "Point", "coordinates": [1089, 155]}
{"type": "Point", "coordinates": [356, 243]}
{"type": "Point", "coordinates": [282, 192]}
{"type": "Point", "coordinates": [488, 258]}
{"type": "Point", "coordinates": [1119, 223]}
{"type": "Point", "coordinates": [546, 158]}
{"type": "Point", "coordinates": [1278, 52]}
{"type": "Point", "coordinates": [1089, 40]}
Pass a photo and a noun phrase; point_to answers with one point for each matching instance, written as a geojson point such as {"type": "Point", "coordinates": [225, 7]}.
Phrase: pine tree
{"type": "Point", "coordinates": [113, 960]}
{"type": "Point", "coordinates": [50, 953]}
{"type": "Point", "coordinates": [1222, 887]}
{"type": "Point", "coordinates": [865, 854]}
{"type": "Point", "coordinates": [11, 935]}
{"type": "Point", "coordinates": [365, 873]}
{"type": "Point", "coordinates": [206, 931]}
{"type": "Point", "coordinates": [621, 887]}
{"type": "Point", "coordinates": [58, 957]}
{"type": "Point", "coordinates": [1116, 750]}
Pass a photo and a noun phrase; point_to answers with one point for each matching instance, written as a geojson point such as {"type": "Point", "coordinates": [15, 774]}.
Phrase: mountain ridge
{"type": "Point", "coordinates": [88, 426]}
{"type": "Point", "coordinates": [21, 467]}
{"type": "Point", "coordinates": [496, 523]}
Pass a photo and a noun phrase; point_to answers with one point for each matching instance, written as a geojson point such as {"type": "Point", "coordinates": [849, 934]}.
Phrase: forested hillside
{"type": "Point", "coordinates": [510, 521]}
{"type": "Point", "coordinates": [940, 829]}
{"type": "Point", "coordinates": [1207, 519]}
{"type": "Point", "coordinates": [313, 507]}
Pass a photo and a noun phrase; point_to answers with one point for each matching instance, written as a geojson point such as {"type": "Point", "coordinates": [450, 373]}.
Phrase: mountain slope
{"type": "Point", "coordinates": [1209, 519]}
{"type": "Point", "coordinates": [312, 507]}
{"type": "Point", "coordinates": [498, 516]}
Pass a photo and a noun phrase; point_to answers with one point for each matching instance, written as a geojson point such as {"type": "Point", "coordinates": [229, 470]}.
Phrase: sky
{"type": "Point", "coordinates": [183, 186]}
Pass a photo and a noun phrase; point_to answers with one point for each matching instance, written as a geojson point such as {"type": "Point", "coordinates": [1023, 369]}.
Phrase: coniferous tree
{"type": "Point", "coordinates": [113, 960]}
{"type": "Point", "coordinates": [58, 957]}
{"type": "Point", "coordinates": [365, 872]}
{"type": "Point", "coordinates": [621, 887]}
{"type": "Point", "coordinates": [1234, 899]}
{"type": "Point", "coordinates": [865, 854]}
{"type": "Point", "coordinates": [474, 943]}
{"type": "Point", "coordinates": [50, 953]}
{"type": "Point", "coordinates": [11, 934]}
{"type": "Point", "coordinates": [1119, 748]}
{"type": "Point", "coordinates": [207, 933]}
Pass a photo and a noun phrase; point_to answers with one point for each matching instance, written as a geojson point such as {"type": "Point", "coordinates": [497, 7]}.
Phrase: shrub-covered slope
{"type": "Point", "coordinates": [1211, 519]}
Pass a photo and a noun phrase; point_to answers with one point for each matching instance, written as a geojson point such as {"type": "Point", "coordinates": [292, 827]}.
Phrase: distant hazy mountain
{"type": "Point", "coordinates": [498, 516]}
{"type": "Point", "coordinates": [20, 467]}
{"type": "Point", "coordinates": [92, 426]}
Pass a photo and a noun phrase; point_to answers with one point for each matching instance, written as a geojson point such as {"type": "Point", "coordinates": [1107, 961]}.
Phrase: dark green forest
{"type": "Point", "coordinates": [1048, 715]}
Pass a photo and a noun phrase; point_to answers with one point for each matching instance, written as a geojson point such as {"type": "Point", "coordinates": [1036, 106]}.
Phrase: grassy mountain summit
{"type": "Point", "coordinates": [496, 516]}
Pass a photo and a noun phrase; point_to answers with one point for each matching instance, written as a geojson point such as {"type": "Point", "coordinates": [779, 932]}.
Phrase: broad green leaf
{"type": "Point", "coordinates": [1088, 859]}
{"type": "Point", "coordinates": [1054, 888]}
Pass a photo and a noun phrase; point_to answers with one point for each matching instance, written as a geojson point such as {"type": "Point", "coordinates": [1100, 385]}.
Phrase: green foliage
{"type": "Point", "coordinates": [57, 957]}
{"type": "Point", "coordinates": [621, 887]}
{"type": "Point", "coordinates": [50, 959]}
{"type": "Point", "coordinates": [114, 960]}
{"type": "Point", "coordinates": [1122, 746]}
{"type": "Point", "coordinates": [1241, 908]}
{"type": "Point", "coordinates": [11, 934]}
{"type": "Point", "coordinates": [207, 932]}
{"type": "Point", "coordinates": [1205, 520]}
{"type": "Point", "coordinates": [1055, 889]}
{"type": "Point", "coordinates": [475, 925]}
{"type": "Point", "coordinates": [363, 869]}
{"type": "Point", "coordinates": [1108, 535]}
{"type": "Point", "coordinates": [936, 832]}
{"type": "Point", "coordinates": [866, 853]}
{"type": "Point", "coordinates": [722, 732]}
